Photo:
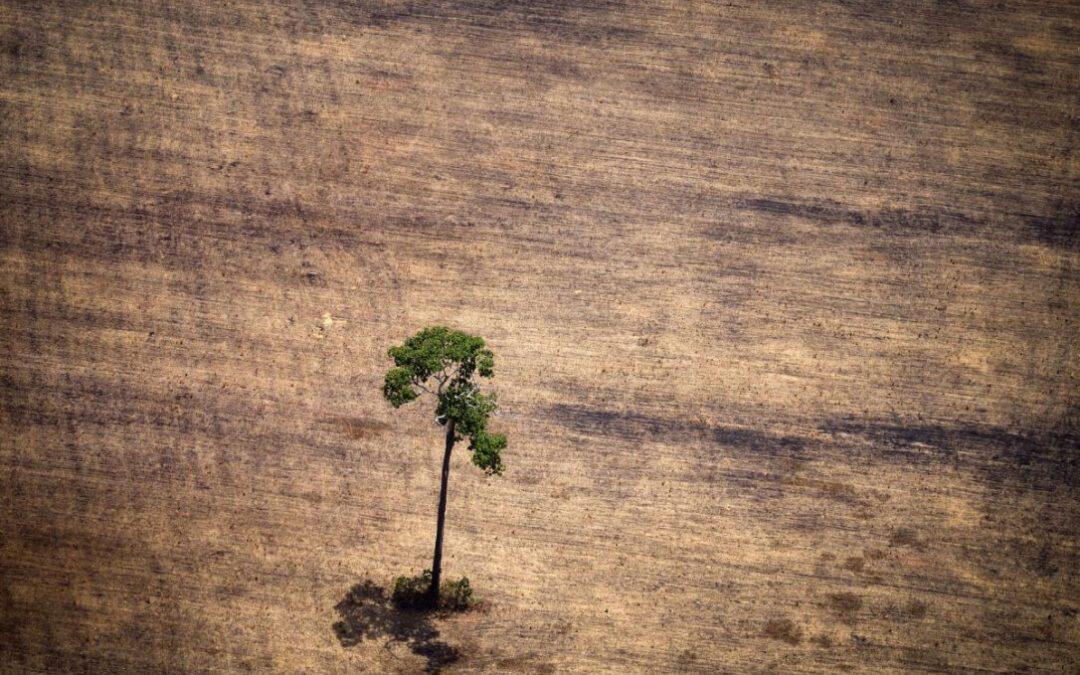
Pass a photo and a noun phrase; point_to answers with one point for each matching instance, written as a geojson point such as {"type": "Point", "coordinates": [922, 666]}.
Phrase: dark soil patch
{"type": "Point", "coordinates": [783, 629]}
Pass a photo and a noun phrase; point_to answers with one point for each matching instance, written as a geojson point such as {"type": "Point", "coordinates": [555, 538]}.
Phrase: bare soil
{"type": "Point", "coordinates": [784, 300]}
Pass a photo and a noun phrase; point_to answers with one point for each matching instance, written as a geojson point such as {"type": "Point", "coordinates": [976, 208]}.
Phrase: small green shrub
{"type": "Point", "coordinates": [412, 592]}
{"type": "Point", "coordinates": [456, 596]}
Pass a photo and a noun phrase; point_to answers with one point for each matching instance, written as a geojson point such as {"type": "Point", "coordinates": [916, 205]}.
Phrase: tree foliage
{"type": "Point", "coordinates": [442, 362]}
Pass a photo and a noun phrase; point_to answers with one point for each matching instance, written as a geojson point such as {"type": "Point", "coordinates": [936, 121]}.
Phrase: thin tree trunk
{"type": "Point", "coordinates": [436, 565]}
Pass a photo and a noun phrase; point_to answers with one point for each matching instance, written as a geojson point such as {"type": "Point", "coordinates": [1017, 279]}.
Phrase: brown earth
{"type": "Point", "coordinates": [783, 297]}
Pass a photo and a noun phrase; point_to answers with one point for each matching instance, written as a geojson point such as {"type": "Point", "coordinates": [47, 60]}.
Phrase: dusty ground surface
{"type": "Point", "coordinates": [783, 297]}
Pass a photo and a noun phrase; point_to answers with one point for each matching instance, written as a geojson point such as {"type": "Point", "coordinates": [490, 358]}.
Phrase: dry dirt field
{"type": "Point", "coordinates": [783, 296]}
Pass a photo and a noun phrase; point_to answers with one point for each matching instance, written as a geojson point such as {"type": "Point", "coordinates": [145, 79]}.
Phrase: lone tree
{"type": "Point", "coordinates": [442, 362]}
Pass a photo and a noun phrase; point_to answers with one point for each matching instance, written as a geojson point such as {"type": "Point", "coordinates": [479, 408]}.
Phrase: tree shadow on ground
{"type": "Point", "coordinates": [367, 613]}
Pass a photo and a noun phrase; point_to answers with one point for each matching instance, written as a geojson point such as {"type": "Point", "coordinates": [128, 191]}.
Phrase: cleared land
{"type": "Point", "coordinates": [784, 299]}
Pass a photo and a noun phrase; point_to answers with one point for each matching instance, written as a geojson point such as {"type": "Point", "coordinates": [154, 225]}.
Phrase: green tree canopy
{"type": "Point", "coordinates": [442, 362]}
